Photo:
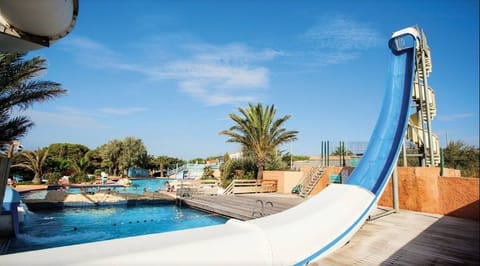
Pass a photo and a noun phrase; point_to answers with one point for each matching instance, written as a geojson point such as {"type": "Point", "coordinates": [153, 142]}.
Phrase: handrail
{"type": "Point", "coordinates": [310, 179]}
{"type": "Point", "coordinates": [240, 186]}
{"type": "Point", "coordinates": [190, 188]}
{"type": "Point", "coordinates": [229, 188]}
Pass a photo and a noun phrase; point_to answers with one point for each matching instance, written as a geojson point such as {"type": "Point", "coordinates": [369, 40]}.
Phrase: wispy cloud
{"type": "Point", "coordinates": [68, 117]}
{"type": "Point", "coordinates": [121, 111]}
{"type": "Point", "coordinates": [338, 39]}
{"type": "Point", "coordinates": [212, 74]}
{"type": "Point", "coordinates": [65, 118]}
{"type": "Point", "coordinates": [453, 117]}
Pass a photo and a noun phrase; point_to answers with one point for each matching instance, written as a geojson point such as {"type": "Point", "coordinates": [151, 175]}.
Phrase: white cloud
{"type": "Point", "coordinates": [121, 111]}
{"type": "Point", "coordinates": [335, 40]}
{"type": "Point", "coordinates": [452, 117]}
{"type": "Point", "coordinates": [212, 74]}
{"type": "Point", "coordinates": [232, 53]}
{"type": "Point", "coordinates": [65, 119]}
{"type": "Point", "coordinates": [340, 33]}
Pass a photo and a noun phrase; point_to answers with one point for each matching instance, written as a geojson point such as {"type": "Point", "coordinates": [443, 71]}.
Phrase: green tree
{"type": "Point", "coordinates": [19, 89]}
{"type": "Point", "coordinates": [258, 132]}
{"type": "Point", "coordinates": [34, 161]}
{"type": "Point", "coordinates": [64, 158]}
{"type": "Point", "coordinates": [95, 161]}
{"type": "Point", "coordinates": [111, 154]}
{"type": "Point", "coordinates": [341, 150]}
{"type": "Point", "coordinates": [459, 155]}
{"type": "Point", "coordinates": [207, 173]}
{"type": "Point", "coordinates": [165, 162]}
{"type": "Point", "coordinates": [242, 168]}
{"type": "Point", "coordinates": [81, 166]}
{"type": "Point", "coordinates": [68, 151]}
{"type": "Point", "coordinates": [197, 160]}
{"type": "Point", "coordinates": [132, 153]}
{"type": "Point", "coordinates": [275, 162]}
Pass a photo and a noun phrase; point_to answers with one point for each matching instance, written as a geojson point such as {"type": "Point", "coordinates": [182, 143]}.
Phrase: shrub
{"type": "Point", "coordinates": [52, 177]}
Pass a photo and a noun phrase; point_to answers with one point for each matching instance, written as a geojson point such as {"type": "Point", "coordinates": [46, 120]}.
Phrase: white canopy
{"type": "Point", "coordinates": [31, 24]}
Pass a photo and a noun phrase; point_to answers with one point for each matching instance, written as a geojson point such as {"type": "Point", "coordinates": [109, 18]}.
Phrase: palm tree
{"type": "Point", "coordinates": [162, 161]}
{"type": "Point", "coordinates": [259, 133]}
{"type": "Point", "coordinates": [34, 161]}
{"type": "Point", "coordinates": [19, 89]}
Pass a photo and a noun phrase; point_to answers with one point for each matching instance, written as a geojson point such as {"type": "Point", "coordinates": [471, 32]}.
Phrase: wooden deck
{"type": "Point", "coordinates": [404, 238]}
{"type": "Point", "coordinates": [411, 238]}
{"type": "Point", "coordinates": [243, 207]}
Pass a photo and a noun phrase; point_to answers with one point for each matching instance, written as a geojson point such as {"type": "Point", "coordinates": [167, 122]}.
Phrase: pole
{"type": "Point", "coordinates": [427, 101]}
{"type": "Point", "coordinates": [328, 153]}
{"type": "Point", "coordinates": [323, 154]}
{"type": "Point", "coordinates": [396, 205]}
{"type": "Point", "coordinates": [5, 164]}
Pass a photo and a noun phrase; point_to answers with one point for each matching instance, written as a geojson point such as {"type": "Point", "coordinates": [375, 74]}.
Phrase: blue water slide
{"type": "Point", "coordinates": [384, 146]}
{"type": "Point", "coordinates": [308, 231]}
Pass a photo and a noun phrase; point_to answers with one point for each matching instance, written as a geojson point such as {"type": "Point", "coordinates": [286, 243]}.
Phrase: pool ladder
{"type": "Point", "coordinates": [260, 207]}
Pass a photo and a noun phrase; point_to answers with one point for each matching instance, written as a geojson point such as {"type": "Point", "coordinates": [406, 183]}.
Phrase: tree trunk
{"type": "Point", "coordinates": [260, 167]}
{"type": "Point", "coordinates": [36, 179]}
{"type": "Point", "coordinates": [260, 173]}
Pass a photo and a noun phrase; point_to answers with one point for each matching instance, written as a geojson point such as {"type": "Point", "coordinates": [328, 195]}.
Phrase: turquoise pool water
{"type": "Point", "coordinates": [46, 229]}
{"type": "Point", "coordinates": [137, 187]}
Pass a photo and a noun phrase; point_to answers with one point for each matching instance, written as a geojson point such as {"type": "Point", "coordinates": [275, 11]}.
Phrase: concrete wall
{"type": "Point", "coordinates": [324, 180]}
{"type": "Point", "coordinates": [286, 180]}
{"type": "Point", "coordinates": [422, 189]}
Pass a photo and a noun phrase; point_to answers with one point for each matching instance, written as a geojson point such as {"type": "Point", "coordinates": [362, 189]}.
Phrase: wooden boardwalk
{"type": "Point", "coordinates": [245, 206]}
{"type": "Point", "coordinates": [404, 238]}
{"type": "Point", "coordinates": [411, 238]}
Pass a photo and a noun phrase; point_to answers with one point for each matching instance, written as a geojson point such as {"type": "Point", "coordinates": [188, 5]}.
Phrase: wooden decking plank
{"type": "Point", "coordinates": [411, 238]}
{"type": "Point", "coordinates": [240, 207]}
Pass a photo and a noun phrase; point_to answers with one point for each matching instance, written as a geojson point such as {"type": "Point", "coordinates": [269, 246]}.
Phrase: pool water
{"type": "Point", "coordinates": [137, 187]}
{"type": "Point", "coordinates": [46, 229]}
{"type": "Point", "coordinates": [70, 226]}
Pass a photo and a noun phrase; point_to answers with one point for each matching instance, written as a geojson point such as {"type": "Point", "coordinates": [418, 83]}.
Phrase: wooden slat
{"type": "Point", "coordinates": [411, 238]}
{"type": "Point", "coordinates": [241, 207]}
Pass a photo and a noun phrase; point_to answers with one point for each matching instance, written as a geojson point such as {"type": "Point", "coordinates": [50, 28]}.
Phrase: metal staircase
{"type": "Point", "coordinates": [310, 180]}
{"type": "Point", "coordinates": [420, 123]}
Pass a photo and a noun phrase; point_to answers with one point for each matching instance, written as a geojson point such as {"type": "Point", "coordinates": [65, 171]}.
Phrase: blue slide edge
{"type": "Point", "coordinates": [383, 149]}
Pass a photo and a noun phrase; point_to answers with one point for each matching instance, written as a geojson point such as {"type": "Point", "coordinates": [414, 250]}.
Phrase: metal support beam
{"type": "Point", "coordinates": [395, 199]}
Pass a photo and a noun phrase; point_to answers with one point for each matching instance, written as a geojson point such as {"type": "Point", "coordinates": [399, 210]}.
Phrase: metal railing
{"type": "Point", "coordinates": [310, 179]}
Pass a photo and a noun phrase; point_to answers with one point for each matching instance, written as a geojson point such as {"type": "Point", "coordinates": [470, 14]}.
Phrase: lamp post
{"type": "Point", "coordinates": [5, 166]}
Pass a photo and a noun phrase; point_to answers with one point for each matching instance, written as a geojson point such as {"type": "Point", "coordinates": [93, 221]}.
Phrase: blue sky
{"type": "Point", "coordinates": [170, 72]}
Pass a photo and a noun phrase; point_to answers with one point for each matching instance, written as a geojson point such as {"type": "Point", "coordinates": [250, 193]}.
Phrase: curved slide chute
{"type": "Point", "coordinates": [33, 24]}
{"type": "Point", "coordinates": [296, 236]}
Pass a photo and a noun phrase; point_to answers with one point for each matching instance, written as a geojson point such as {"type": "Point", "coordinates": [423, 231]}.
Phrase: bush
{"type": "Point", "coordinates": [229, 170]}
{"type": "Point", "coordinates": [78, 178]}
{"type": "Point", "coordinates": [52, 178]}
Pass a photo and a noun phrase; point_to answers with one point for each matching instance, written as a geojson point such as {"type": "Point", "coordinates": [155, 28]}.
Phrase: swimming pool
{"type": "Point", "coordinates": [70, 226]}
{"type": "Point", "coordinates": [137, 187]}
